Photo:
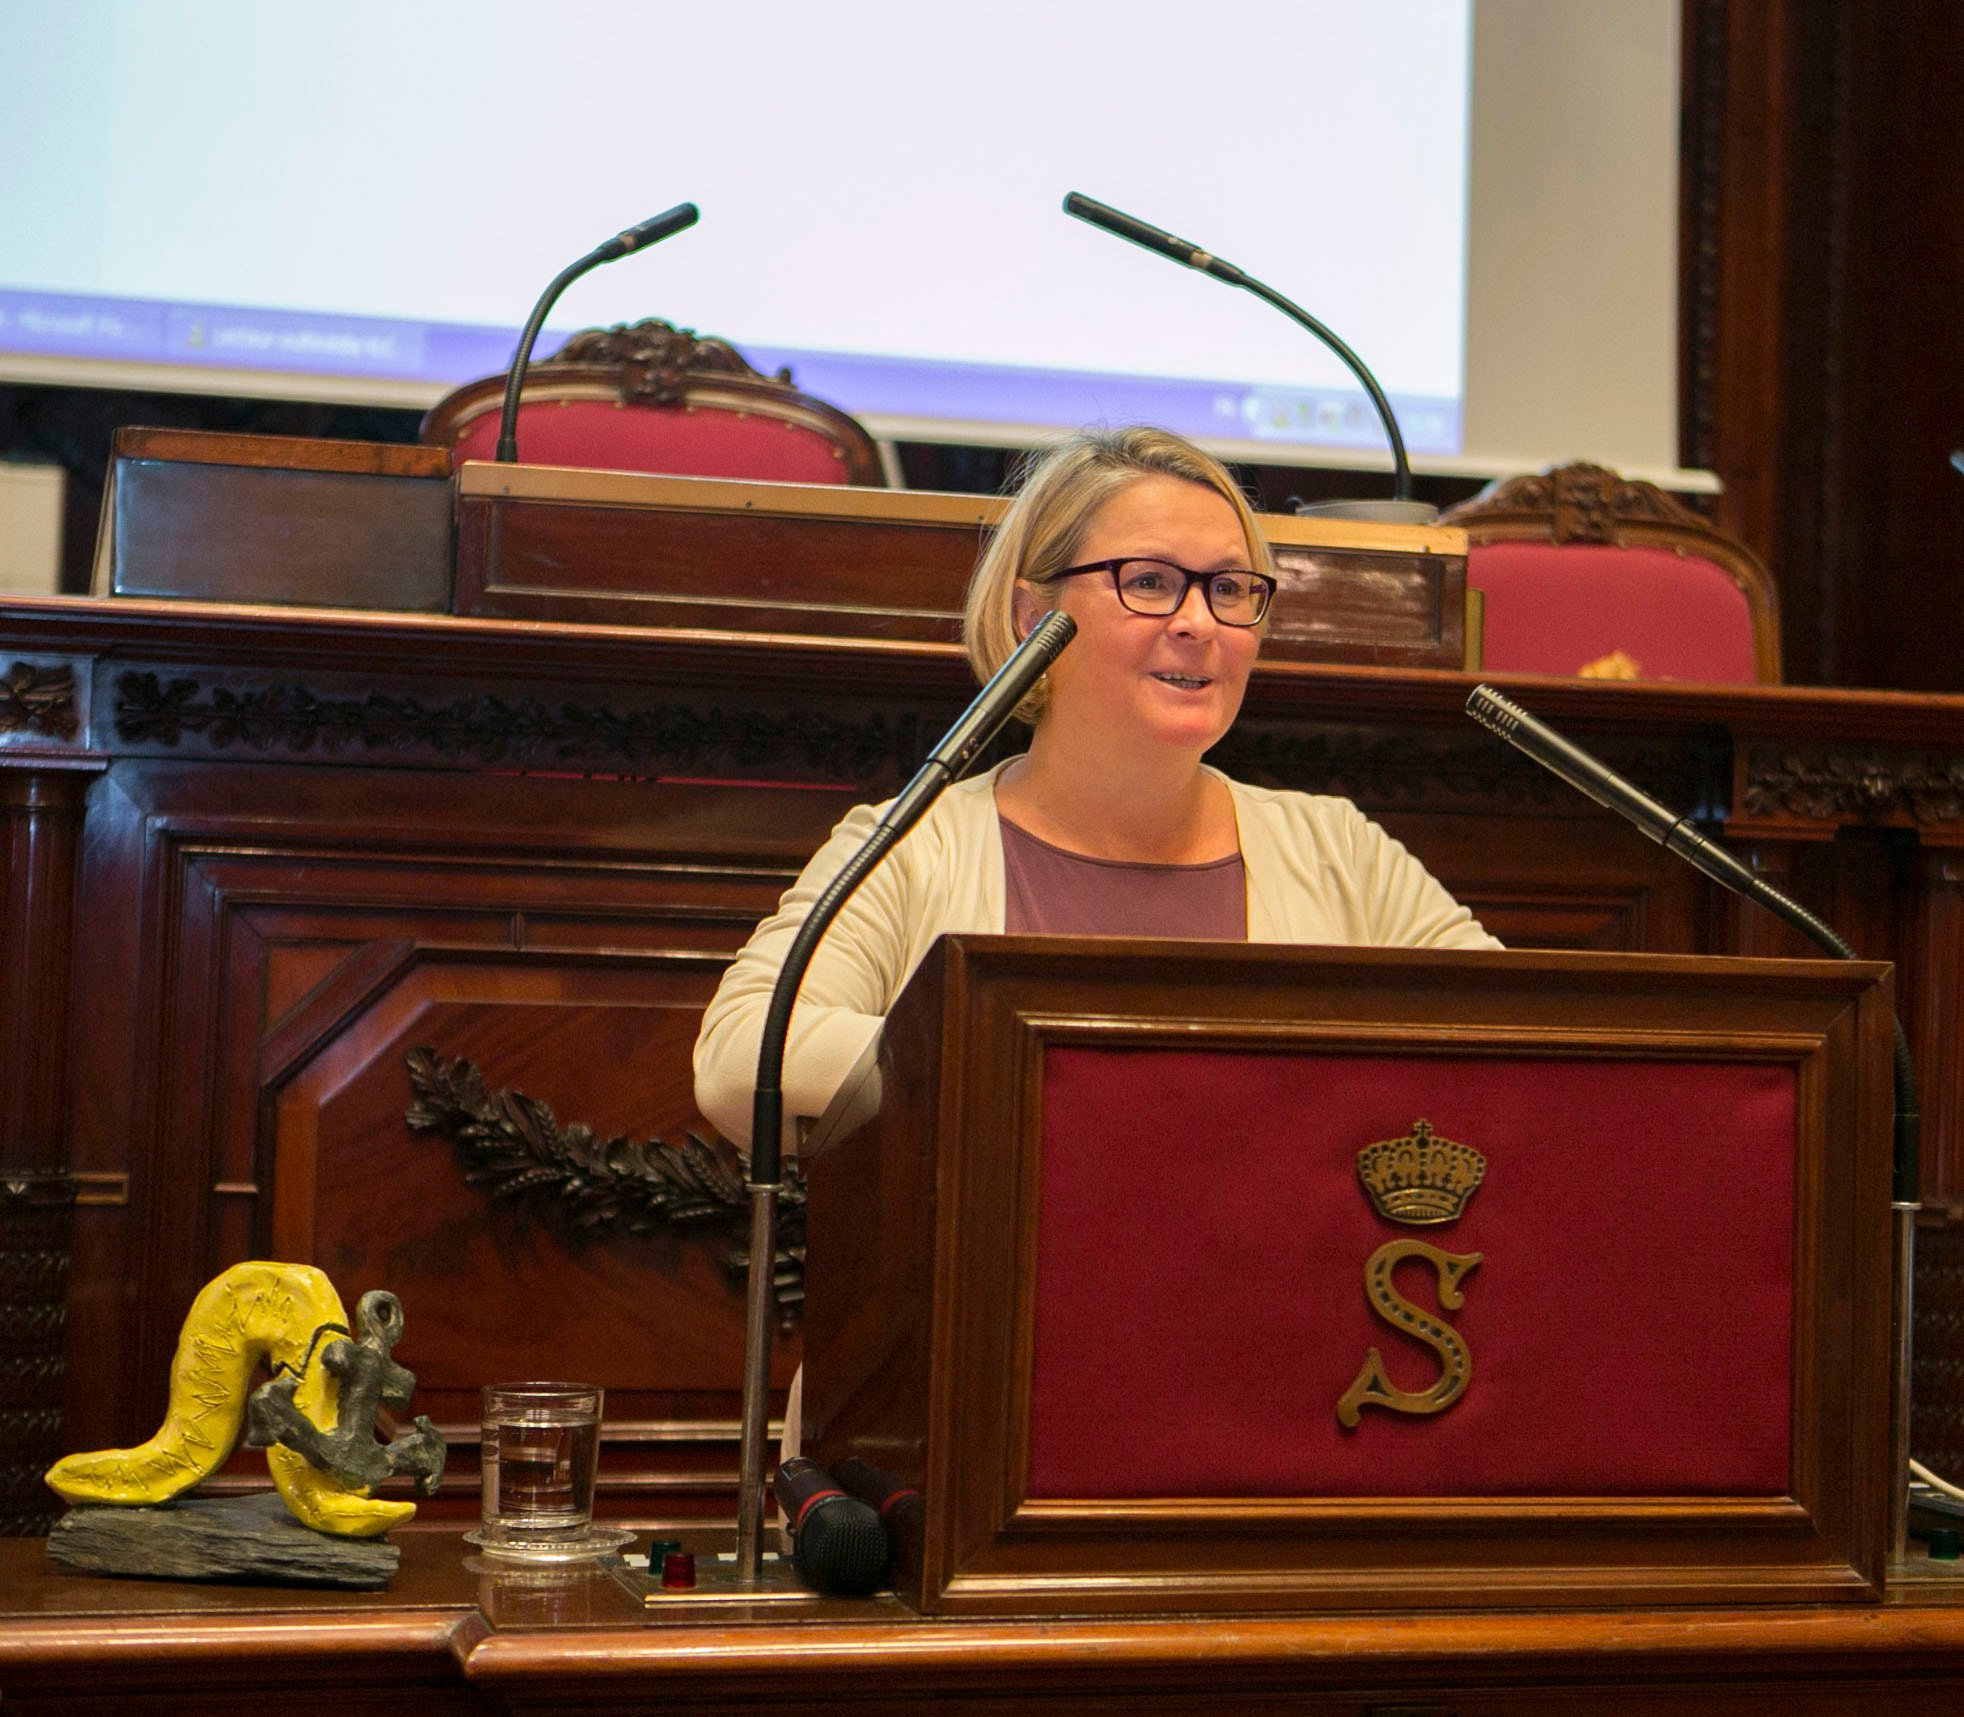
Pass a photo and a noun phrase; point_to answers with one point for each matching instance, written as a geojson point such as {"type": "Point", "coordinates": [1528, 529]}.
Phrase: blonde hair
{"type": "Point", "coordinates": [1040, 532]}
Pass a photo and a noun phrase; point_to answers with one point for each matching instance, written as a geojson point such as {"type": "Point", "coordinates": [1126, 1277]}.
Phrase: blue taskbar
{"type": "Point", "coordinates": [442, 355]}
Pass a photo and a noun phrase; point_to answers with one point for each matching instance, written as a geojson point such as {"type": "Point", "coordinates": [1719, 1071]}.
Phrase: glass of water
{"type": "Point", "coordinates": [541, 1450]}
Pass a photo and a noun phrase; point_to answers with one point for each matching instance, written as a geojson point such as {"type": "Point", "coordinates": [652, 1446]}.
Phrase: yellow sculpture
{"type": "Point", "coordinates": [290, 1317]}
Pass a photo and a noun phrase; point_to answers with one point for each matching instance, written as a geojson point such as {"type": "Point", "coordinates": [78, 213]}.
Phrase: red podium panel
{"type": "Point", "coordinates": [1613, 1353]}
{"type": "Point", "coordinates": [1094, 1264]}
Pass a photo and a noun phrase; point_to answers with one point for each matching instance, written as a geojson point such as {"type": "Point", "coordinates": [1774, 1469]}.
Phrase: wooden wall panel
{"type": "Point", "coordinates": [490, 1286]}
{"type": "Point", "coordinates": [1823, 257]}
{"type": "Point", "coordinates": [1582, 882]}
{"type": "Point", "coordinates": [1935, 1009]}
{"type": "Point", "coordinates": [40, 831]}
{"type": "Point", "coordinates": [568, 957]}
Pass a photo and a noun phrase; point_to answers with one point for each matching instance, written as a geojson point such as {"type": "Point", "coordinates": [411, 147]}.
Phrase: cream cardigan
{"type": "Point", "coordinates": [1318, 869]}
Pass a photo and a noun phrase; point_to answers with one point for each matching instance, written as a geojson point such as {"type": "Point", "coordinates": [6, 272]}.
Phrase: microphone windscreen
{"type": "Point", "coordinates": [841, 1548]}
{"type": "Point", "coordinates": [838, 1544]}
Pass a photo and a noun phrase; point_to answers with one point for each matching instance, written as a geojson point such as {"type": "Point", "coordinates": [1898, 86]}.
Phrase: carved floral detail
{"type": "Point", "coordinates": [658, 360]}
{"type": "Point", "coordinates": [1392, 769]}
{"type": "Point", "coordinates": [512, 1145]}
{"type": "Point", "coordinates": [1379, 769]}
{"type": "Point", "coordinates": [38, 700]}
{"type": "Point", "coordinates": [667, 737]}
{"type": "Point", "coordinates": [1584, 503]}
{"type": "Point", "coordinates": [1832, 783]}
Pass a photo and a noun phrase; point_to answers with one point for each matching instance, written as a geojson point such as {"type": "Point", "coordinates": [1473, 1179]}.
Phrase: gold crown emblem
{"type": "Point", "coordinates": [1420, 1179]}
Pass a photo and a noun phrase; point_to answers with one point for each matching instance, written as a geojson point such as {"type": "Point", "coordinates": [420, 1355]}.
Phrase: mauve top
{"type": "Point", "coordinates": [1054, 893]}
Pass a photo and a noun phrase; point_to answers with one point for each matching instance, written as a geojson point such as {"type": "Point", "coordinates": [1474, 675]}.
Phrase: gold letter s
{"type": "Point", "coordinates": [1371, 1388]}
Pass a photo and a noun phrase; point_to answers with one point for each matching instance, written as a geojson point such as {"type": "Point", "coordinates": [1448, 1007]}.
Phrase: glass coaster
{"type": "Point", "coordinates": [596, 1541]}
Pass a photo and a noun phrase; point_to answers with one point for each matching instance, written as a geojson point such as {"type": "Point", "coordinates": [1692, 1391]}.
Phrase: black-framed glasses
{"type": "Point", "coordinates": [1158, 587]}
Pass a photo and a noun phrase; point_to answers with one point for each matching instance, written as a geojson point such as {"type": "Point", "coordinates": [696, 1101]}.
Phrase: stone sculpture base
{"type": "Point", "coordinates": [249, 1538]}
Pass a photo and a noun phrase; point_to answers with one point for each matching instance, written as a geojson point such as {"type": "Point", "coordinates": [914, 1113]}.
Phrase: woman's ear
{"type": "Point", "coordinates": [1024, 609]}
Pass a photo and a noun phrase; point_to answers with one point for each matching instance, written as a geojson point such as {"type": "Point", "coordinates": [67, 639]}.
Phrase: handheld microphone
{"type": "Point", "coordinates": [838, 1545]}
{"type": "Point", "coordinates": [651, 231]}
{"type": "Point", "coordinates": [1122, 225]}
{"type": "Point", "coordinates": [1598, 781]}
{"type": "Point", "coordinates": [978, 724]}
{"type": "Point", "coordinates": [898, 1504]}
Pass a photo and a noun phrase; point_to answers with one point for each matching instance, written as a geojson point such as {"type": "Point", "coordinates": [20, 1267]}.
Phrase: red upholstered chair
{"type": "Point", "coordinates": [653, 397]}
{"type": "Point", "coordinates": [1584, 572]}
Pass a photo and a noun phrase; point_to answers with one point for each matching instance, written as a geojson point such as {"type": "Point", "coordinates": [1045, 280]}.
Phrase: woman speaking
{"type": "Point", "coordinates": [1110, 824]}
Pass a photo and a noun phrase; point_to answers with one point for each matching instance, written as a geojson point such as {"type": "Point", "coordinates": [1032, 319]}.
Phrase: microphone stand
{"type": "Point", "coordinates": [1597, 781]}
{"type": "Point", "coordinates": [651, 231]}
{"type": "Point", "coordinates": [1401, 508]}
{"type": "Point", "coordinates": [979, 723]}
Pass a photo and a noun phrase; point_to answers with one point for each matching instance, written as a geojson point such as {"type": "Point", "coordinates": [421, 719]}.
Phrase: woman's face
{"type": "Point", "coordinates": [1174, 680]}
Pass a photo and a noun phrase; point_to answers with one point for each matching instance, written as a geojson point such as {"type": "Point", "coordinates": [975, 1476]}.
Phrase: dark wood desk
{"type": "Point", "coordinates": [254, 857]}
{"type": "Point", "coordinates": [450, 1638]}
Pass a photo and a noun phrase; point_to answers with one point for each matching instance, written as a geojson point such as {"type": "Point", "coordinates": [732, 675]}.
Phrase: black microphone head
{"type": "Point", "coordinates": [840, 1548]}
{"type": "Point", "coordinates": [664, 225]}
{"type": "Point", "coordinates": [651, 231]}
{"type": "Point", "coordinates": [1156, 239]}
{"type": "Point", "coordinates": [1052, 632]}
{"type": "Point", "coordinates": [1122, 225]}
{"type": "Point", "coordinates": [901, 1508]}
{"type": "Point", "coordinates": [1494, 712]}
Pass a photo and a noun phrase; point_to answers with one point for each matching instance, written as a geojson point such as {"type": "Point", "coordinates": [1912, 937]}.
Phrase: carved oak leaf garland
{"type": "Point", "coordinates": [512, 1145]}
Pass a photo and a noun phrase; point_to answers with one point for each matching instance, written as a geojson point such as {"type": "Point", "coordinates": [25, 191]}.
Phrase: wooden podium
{"type": "Point", "coordinates": [1094, 1264]}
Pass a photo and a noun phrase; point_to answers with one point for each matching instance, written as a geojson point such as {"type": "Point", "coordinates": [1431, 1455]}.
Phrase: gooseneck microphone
{"type": "Point", "coordinates": [977, 725]}
{"type": "Point", "coordinates": [650, 231]}
{"type": "Point", "coordinates": [838, 1545]}
{"type": "Point", "coordinates": [1596, 780]}
{"type": "Point", "coordinates": [1158, 239]}
{"type": "Point", "coordinates": [1190, 255]}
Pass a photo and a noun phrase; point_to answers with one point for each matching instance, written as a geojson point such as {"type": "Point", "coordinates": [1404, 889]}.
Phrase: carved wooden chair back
{"type": "Point", "coordinates": [652, 397]}
{"type": "Point", "coordinates": [1585, 572]}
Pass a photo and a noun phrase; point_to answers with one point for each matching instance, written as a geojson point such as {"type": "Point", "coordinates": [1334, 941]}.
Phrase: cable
{"type": "Point", "coordinates": [1919, 1470]}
